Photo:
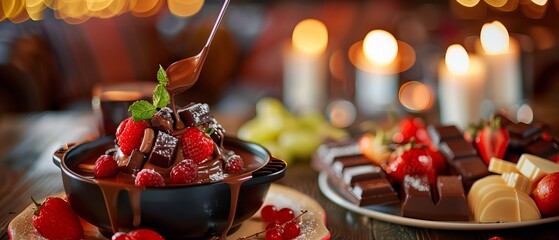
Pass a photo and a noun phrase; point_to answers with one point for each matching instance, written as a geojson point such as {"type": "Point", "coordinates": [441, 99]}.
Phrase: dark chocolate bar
{"type": "Point", "coordinates": [352, 175]}
{"type": "Point", "coordinates": [457, 148]}
{"type": "Point", "coordinates": [443, 133]}
{"type": "Point", "coordinates": [343, 162]}
{"type": "Point", "coordinates": [164, 148]}
{"type": "Point", "coordinates": [522, 134]}
{"type": "Point", "coordinates": [374, 191]}
{"type": "Point", "coordinates": [470, 169]}
{"type": "Point", "coordinates": [449, 205]}
{"type": "Point", "coordinates": [542, 148]}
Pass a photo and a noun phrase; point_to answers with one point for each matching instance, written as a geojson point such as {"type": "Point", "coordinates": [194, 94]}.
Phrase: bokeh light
{"type": "Point", "coordinates": [78, 11]}
{"type": "Point", "coordinates": [525, 114]}
{"type": "Point", "coordinates": [310, 36]}
{"type": "Point", "coordinates": [342, 113]}
{"type": "Point", "coordinates": [380, 47]}
{"type": "Point", "coordinates": [185, 8]}
{"type": "Point", "coordinates": [468, 3]}
{"type": "Point", "coordinates": [416, 96]}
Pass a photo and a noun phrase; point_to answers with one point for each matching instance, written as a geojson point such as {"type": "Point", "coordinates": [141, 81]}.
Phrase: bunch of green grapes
{"type": "Point", "coordinates": [288, 136]}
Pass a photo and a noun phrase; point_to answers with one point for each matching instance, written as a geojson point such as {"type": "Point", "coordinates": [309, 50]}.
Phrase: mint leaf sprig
{"type": "Point", "coordinates": [142, 110]}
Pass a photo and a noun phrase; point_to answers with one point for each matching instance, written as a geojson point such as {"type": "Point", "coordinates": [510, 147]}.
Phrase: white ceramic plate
{"type": "Point", "coordinates": [391, 213]}
{"type": "Point", "coordinates": [312, 226]}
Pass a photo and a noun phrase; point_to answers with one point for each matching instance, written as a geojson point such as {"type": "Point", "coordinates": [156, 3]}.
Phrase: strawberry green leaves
{"type": "Point", "coordinates": [142, 109]}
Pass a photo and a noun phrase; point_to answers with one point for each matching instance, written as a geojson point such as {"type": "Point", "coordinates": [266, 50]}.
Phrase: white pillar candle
{"type": "Point", "coordinates": [304, 76]}
{"type": "Point", "coordinates": [461, 87]}
{"type": "Point", "coordinates": [376, 86]}
{"type": "Point", "coordinates": [501, 55]}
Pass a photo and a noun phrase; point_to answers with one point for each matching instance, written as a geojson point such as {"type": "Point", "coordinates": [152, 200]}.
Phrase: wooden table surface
{"type": "Point", "coordinates": [26, 170]}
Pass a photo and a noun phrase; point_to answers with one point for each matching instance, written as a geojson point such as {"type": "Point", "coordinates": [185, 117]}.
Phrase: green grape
{"type": "Point", "coordinates": [270, 107]}
{"type": "Point", "coordinates": [312, 120]}
{"type": "Point", "coordinates": [329, 132]}
{"type": "Point", "coordinates": [302, 143]}
{"type": "Point", "coordinates": [256, 131]}
{"type": "Point", "coordinates": [279, 152]}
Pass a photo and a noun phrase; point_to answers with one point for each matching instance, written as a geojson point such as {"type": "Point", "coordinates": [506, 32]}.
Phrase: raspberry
{"type": "Point", "coordinates": [149, 178]}
{"type": "Point", "coordinates": [234, 164]}
{"type": "Point", "coordinates": [184, 172]}
{"type": "Point", "coordinates": [129, 135]}
{"type": "Point", "coordinates": [196, 145]}
{"type": "Point", "coordinates": [105, 167]}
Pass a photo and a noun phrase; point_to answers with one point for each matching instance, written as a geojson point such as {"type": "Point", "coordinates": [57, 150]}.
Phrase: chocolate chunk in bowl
{"type": "Point", "coordinates": [177, 212]}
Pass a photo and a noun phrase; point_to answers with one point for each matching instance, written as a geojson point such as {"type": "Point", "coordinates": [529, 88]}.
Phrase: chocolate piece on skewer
{"type": "Point", "coordinates": [443, 133]}
{"type": "Point", "coordinates": [135, 162]}
{"type": "Point", "coordinates": [164, 148]}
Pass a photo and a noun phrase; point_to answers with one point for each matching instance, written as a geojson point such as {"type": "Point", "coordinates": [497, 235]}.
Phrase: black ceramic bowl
{"type": "Point", "coordinates": [177, 212]}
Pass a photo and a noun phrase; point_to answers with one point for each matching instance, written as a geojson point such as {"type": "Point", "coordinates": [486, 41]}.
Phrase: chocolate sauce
{"type": "Point", "coordinates": [209, 171]}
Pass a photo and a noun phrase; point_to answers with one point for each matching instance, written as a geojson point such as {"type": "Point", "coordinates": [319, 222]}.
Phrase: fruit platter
{"type": "Point", "coordinates": [498, 174]}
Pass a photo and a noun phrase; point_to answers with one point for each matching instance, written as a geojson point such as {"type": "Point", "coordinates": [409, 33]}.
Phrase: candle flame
{"type": "Point", "coordinates": [494, 38]}
{"type": "Point", "coordinates": [540, 2]}
{"type": "Point", "coordinates": [380, 47]}
{"type": "Point", "coordinates": [457, 59]}
{"type": "Point", "coordinates": [496, 3]}
{"type": "Point", "coordinates": [310, 36]}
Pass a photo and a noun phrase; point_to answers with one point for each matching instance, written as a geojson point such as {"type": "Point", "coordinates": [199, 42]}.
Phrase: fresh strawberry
{"type": "Point", "coordinates": [184, 172]}
{"type": "Point", "coordinates": [473, 129]}
{"type": "Point", "coordinates": [411, 127]}
{"type": "Point", "coordinates": [410, 160]}
{"type": "Point", "coordinates": [438, 160]}
{"type": "Point", "coordinates": [234, 164]}
{"type": "Point", "coordinates": [149, 178]}
{"type": "Point", "coordinates": [55, 219]}
{"type": "Point", "coordinates": [129, 135]}
{"type": "Point", "coordinates": [197, 145]}
{"type": "Point", "coordinates": [492, 140]}
{"type": "Point", "coordinates": [145, 234]}
{"type": "Point", "coordinates": [105, 166]}
{"type": "Point", "coordinates": [138, 234]}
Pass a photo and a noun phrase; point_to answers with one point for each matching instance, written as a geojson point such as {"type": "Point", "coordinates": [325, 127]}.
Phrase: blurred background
{"type": "Point", "coordinates": [54, 52]}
